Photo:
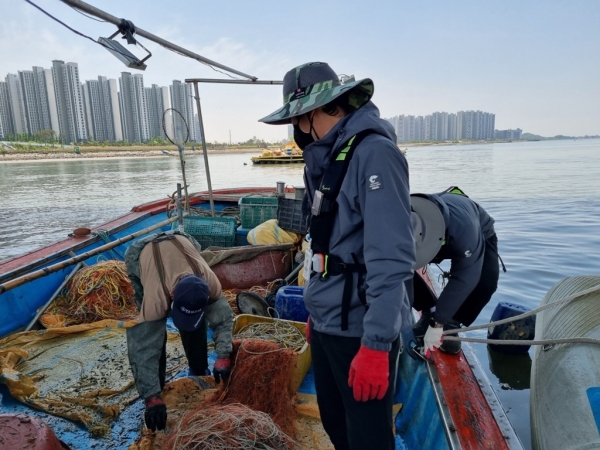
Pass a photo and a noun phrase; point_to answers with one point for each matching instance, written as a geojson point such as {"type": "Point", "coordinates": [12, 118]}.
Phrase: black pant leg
{"type": "Point", "coordinates": [488, 283]}
{"type": "Point", "coordinates": [423, 298]}
{"type": "Point", "coordinates": [368, 425]}
{"type": "Point", "coordinates": [329, 399]}
{"type": "Point", "coordinates": [195, 348]}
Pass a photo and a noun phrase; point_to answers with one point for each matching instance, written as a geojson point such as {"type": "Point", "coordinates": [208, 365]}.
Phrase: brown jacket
{"type": "Point", "coordinates": [155, 304]}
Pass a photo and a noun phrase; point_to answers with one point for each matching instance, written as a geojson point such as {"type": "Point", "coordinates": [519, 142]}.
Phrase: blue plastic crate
{"type": "Point", "coordinates": [241, 236]}
{"type": "Point", "coordinates": [210, 231]}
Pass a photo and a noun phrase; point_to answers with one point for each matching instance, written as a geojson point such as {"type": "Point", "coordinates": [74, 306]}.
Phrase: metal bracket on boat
{"type": "Point", "coordinates": [416, 352]}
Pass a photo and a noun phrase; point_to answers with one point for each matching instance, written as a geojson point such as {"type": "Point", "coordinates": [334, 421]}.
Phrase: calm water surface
{"type": "Point", "coordinates": [544, 196]}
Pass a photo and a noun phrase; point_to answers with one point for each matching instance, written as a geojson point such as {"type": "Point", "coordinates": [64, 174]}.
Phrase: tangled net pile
{"type": "Point", "coordinates": [101, 291]}
{"type": "Point", "coordinates": [232, 426]}
{"type": "Point", "coordinates": [281, 333]}
{"type": "Point", "coordinates": [262, 380]}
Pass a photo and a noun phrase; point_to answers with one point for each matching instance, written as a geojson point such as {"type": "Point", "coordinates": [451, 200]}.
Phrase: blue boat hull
{"type": "Point", "coordinates": [421, 422]}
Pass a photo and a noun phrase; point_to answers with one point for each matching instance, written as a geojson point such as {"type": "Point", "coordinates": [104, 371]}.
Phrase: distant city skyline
{"type": "Point", "coordinates": [442, 126]}
{"type": "Point", "coordinates": [102, 109]}
{"type": "Point", "coordinates": [125, 110]}
{"type": "Point", "coordinates": [532, 63]}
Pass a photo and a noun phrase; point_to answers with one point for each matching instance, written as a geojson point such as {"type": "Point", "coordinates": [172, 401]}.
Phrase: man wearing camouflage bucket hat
{"type": "Point", "coordinates": [362, 250]}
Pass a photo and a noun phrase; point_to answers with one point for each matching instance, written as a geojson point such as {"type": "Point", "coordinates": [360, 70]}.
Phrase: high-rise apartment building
{"type": "Point", "coordinates": [475, 125]}
{"type": "Point", "coordinates": [52, 108]}
{"type": "Point", "coordinates": [508, 134]}
{"type": "Point", "coordinates": [155, 99]}
{"type": "Point", "coordinates": [441, 126]}
{"type": "Point", "coordinates": [102, 109]}
{"type": "Point", "coordinates": [30, 103]}
{"type": "Point", "coordinates": [134, 109]}
{"type": "Point", "coordinates": [199, 132]}
{"type": "Point", "coordinates": [182, 99]}
{"type": "Point", "coordinates": [30, 93]}
{"type": "Point", "coordinates": [116, 109]}
{"type": "Point", "coordinates": [69, 102]}
{"type": "Point", "coordinates": [6, 113]}
{"type": "Point", "coordinates": [16, 101]}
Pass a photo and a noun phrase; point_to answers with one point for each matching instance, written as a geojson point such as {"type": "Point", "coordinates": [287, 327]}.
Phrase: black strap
{"type": "Point", "coordinates": [160, 267]}
{"type": "Point", "coordinates": [321, 226]}
{"type": "Point", "coordinates": [335, 266]}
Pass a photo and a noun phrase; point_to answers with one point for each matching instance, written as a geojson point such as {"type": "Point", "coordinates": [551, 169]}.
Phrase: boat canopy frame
{"type": "Point", "coordinates": [249, 79]}
{"type": "Point", "coordinates": [195, 82]}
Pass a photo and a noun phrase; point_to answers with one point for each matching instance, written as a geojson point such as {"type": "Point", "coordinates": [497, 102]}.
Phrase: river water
{"type": "Point", "coordinates": [544, 196]}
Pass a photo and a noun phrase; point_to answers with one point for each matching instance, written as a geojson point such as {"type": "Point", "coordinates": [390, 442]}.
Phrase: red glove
{"type": "Point", "coordinates": [155, 415]}
{"type": "Point", "coordinates": [308, 330]}
{"type": "Point", "coordinates": [369, 374]}
{"type": "Point", "coordinates": [222, 369]}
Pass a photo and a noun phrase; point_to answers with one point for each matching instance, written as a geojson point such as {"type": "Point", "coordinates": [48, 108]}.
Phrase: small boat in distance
{"type": "Point", "coordinates": [289, 154]}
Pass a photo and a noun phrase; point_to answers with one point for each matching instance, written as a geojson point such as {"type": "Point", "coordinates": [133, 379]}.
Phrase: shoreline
{"type": "Point", "coordinates": [94, 154]}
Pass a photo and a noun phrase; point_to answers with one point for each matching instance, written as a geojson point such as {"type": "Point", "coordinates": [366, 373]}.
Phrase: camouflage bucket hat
{"type": "Point", "coordinates": [315, 84]}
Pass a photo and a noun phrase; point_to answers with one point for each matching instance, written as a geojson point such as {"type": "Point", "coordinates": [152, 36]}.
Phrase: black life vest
{"type": "Point", "coordinates": [321, 226]}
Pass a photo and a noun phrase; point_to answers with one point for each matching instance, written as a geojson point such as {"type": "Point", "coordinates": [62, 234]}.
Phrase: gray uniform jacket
{"type": "Point", "coordinates": [373, 222]}
{"type": "Point", "coordinates": [468, 226]}
{"type": "Point", "coordinates": [145, 340]}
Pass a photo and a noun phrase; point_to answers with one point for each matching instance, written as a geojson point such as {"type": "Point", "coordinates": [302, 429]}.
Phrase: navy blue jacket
{"type": "Point", "coordinates": [468, 226]}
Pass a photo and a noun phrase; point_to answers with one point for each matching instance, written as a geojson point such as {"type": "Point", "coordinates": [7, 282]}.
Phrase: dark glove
{"type": "Point", "coordinates": [222, 369]}
{"type": "Point", "coordinates": [155, 415]}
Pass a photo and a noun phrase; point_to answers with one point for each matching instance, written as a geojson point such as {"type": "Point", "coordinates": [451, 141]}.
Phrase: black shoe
{"type": "Point", "coordinates": [420, 328]}
{"type": "Point", "coordinates": [451, 347]}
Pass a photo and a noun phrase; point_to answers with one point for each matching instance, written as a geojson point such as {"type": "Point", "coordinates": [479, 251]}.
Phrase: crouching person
{"type": "Point", "coordinates": [170, 278]}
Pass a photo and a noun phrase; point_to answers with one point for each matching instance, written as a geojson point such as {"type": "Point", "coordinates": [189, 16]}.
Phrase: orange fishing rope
{"type": "Point", "coordinates": [101, 291]}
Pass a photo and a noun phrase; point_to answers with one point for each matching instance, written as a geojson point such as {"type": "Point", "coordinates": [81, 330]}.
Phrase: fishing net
{"type": "Point", "coordinates": [80, 372]}
{"type": "Point", "coordinates": [231, 426]}
{"type": "Point", "coordinates": [98, 292]}
{"type": "Point", "coordinates": [279, 332]}
{"type": "Point", "coordinates": [262, 380]}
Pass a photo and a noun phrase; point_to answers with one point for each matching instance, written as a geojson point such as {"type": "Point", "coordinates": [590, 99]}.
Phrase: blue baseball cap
{"type": "Point", "coordinates": [189, 300]}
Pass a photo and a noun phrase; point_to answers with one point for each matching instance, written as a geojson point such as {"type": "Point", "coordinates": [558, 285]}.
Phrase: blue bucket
{"type": "Point", "coordinates": [289, 304]}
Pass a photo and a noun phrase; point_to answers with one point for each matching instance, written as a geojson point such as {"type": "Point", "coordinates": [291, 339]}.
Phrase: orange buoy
{"type": "Point", "coordinates": [81, 231]}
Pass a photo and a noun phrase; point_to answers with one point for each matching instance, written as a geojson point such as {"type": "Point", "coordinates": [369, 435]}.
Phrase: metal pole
{"type": "Point", "coordinates": [185, 187]}
{"type": "Point", "coordinates": [225, 81]}
{"type": "Point", "coordinates": [116, 21]}
{"type": "Point", "coordinates": [204, 150]}
{"type": "Point", "coordinates": [60, 288]}
{"type": "Point", "coordinates": [15, 282]}
{"type": "Point", "coordinates": [179, 207]}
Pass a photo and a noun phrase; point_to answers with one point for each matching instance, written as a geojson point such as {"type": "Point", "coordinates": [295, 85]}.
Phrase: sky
{"type": "Point", "coordinates": [534, 64]}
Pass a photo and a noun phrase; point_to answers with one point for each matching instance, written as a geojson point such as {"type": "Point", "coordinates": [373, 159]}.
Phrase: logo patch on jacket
{"type": "Point", "coordinates": [374, 183]}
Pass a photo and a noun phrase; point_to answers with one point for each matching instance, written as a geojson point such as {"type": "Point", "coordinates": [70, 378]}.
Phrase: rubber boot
{"type": "Point", "coordinates": [451, 347]}
{"type": "Point", "coordinates": [420, 328]}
